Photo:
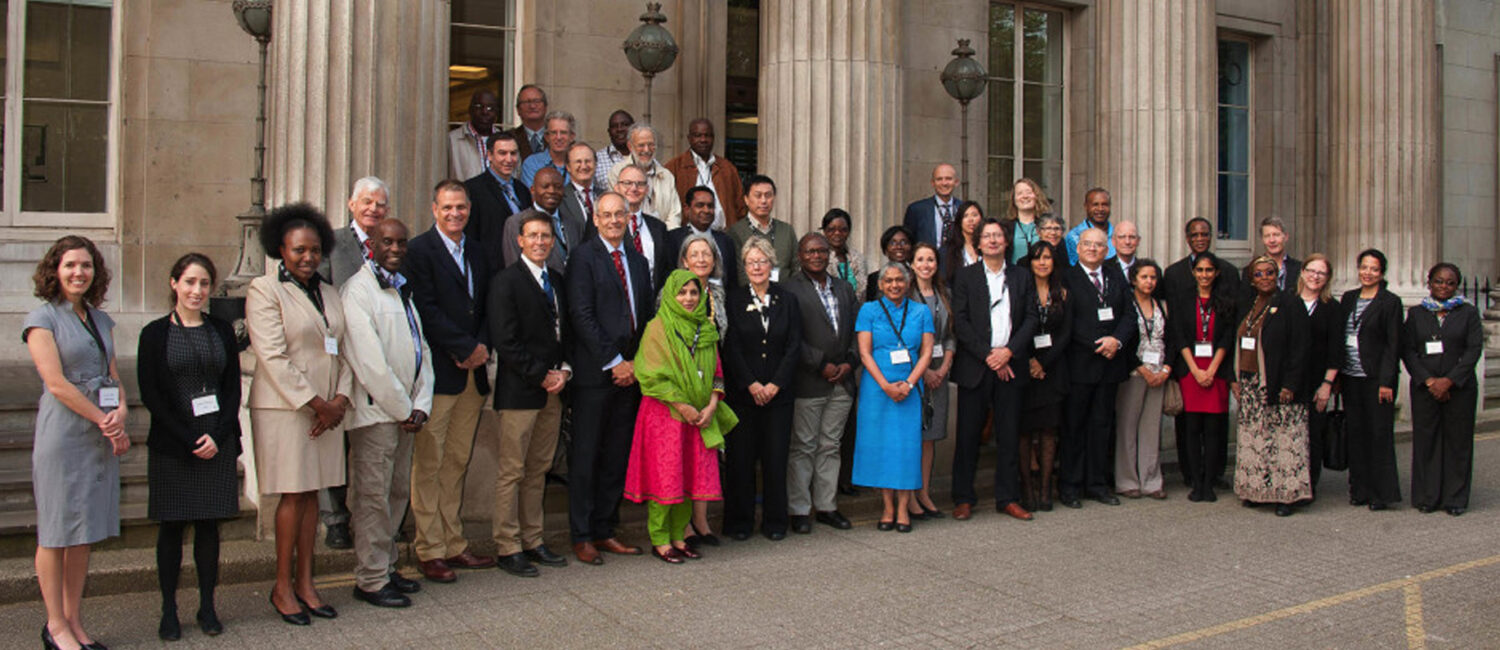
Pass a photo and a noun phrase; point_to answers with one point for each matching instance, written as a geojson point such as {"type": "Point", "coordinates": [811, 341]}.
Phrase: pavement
{"type": "Point", "coordinates": [1146, 574]}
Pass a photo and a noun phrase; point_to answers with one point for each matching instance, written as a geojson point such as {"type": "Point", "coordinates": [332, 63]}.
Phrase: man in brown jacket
{"type": "Point", "coordinates": [699, 166]}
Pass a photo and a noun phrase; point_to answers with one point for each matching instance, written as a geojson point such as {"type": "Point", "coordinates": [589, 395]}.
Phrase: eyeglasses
{"type": "Point", "coordinates": [755, 264]}
{"type": "Point", "coordinates": [1266, 274]}
{"type": "Point", "coordinates": [1315, 273]}
{"type": "Point", "coordinates": [814, 251]}
{"type": "Point", "coordinates": [1091, 245]}
{"type": "Point", "coordinates": [632, 183]}
{"type": "Point", "coordinates": [1050, 229]}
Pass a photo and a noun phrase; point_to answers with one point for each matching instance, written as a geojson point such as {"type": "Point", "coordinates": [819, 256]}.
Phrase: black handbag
{"type": "Point", "coordinates": [1336, 437]}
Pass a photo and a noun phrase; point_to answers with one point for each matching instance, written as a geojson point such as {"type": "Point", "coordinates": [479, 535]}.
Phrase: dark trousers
{"type": "Point", "coordinates": [1086, 439]}
{"type": "Point", "coordinates": [603, 427]}
{"type": "Point", "coordinates": [1004, 397]}
{"type": "Point", "coordinates": [846, 443]}
{"type": "Point", "coordinates": [1220, 461]}
{"type": "Point", "coordinates": [1204, 438]}
{"type": "Point", "coordinates": [764, 436]}
{"type": "Point", "coordinates": [1442, 447]}
{"type": "Point", "coordinates": [1317, 442]}
{"type": "Point", "coordinates": [1372, 442]}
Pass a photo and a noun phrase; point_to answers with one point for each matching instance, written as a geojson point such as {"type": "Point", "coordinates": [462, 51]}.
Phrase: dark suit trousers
{"type": "Point", "coordinates": [1372, 442]}
{"type": "Point", "coordinates": [1086, 439]}
{"type": "Point", "coordinates": [1204, 445]}
{"type": "Point", "coordinates": [1317, 442]}
{"type": "Point", "coordinates": [1442, 447]}
{"type": "Point", "coordinates": [764, 436]}
{"type": "Point", "coordinates": [603, 427]}
{"type": "Point", "coordinates": [1004, 397]}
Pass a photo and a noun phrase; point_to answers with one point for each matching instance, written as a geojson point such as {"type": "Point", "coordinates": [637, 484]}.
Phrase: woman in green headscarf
{"type": "Point", "coordinates": [681, 421]}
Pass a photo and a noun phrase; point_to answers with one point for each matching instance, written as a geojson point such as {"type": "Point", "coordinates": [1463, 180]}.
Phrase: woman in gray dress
{"type": "Point", "coordinates": [931, 291]}
{"type": "Point", "coordinates": [80, 430]}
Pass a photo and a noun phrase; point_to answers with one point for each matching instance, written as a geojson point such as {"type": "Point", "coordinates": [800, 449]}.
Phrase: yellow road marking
{"type": "Point", "coordinates": [1486, 436]}
{"type": "Point", "coordinates": [1416, 633]}
{"type": "Point", "coordinates": [1337, 599]}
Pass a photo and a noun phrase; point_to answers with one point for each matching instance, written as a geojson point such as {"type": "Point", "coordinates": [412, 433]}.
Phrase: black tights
{"type": "Point", "coordinates": [205, 558]}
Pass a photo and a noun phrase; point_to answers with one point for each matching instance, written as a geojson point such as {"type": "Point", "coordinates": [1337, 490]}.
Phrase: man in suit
{"type": "Point", "coordinates": [449, 276]}
{"type": "Point", "coordinates": [1274, 237]}
{"type": "Point", "coordinates": [662, 199]}
{"type": "Point", "coordinates": [610, 299]}
{"type": "Point", "coordinates": [531, 108]}
{"type": "Point", "coordinates": [580, 193]}
{"type": "Point", "coordinates": [547, 191]}
{"type": "Point", "coordinates": [617, 151]}
{"type": "Point", "coordinates": [699, 167]}
{"type": "Point", "coordinates": [466, 143]}
{"type": "Point", "coordinates": [699, 218]}
{"type": "Point", "coordinates": [496, 195]}
{"type": "Point", "coordinates": [760, 201]}
{"type": "Point", "coordinates": [1102, 319]}
{"type": "Point", "coordinates": [528, 325]}
{"type": "Point", "coordinates": [825, 387]}
{"type": "Point", "coordinates": [392, 367]}
{"type": "Point", "coordinates": [994, 318]}
{"type": "Point", "coordinates": [561, 132]}
{"type": "Point", "coordinates": [1127, 241]}
{"type": "Point", "coordinates": [644, 232]}
{"type": "Point", "coordinates": [1096, 208]}
{"type": "Point", "coordinates": [931, 219]}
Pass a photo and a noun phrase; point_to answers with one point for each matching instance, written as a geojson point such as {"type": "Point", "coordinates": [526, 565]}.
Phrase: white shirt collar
{"type": "Point", "coordinates": [536, 271]}
{"type": "Point", "coordinates": [453, 246]}
{"type": "Point", "coordinates": [697, 160]}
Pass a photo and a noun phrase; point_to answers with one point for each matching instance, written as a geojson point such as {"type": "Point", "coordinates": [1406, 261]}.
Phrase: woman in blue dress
{"type": "Point", "coordinates": [895, 344]}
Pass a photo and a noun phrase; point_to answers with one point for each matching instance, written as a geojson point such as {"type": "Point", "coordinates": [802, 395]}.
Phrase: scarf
{"type": "Point", "coordinates": [678, 357]}
{"type": "Point", "coordinates": [1434, 305]}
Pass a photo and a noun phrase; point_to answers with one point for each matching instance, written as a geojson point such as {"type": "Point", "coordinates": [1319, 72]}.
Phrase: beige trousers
{"type": "Point", "coordinates": [528, 440]}
{"type": "Point", "coordinates": [379, 489]}
{"type": "Point", "coordinates": [440, 461]}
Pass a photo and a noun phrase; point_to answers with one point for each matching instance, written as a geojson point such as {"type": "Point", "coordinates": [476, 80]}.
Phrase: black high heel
{"type": "Point", "coordinates": [48, 643]}
{"type": "Point", "coordinates": [885, 525]}
{"type": "Point", "coordinates": [208, 621]}
{"type": "Point", "coordinates": [704, 538]}
{"type": "Point", "coordinates": [299, 618]}
{"type": "Point", "coordinates": [321, 611]}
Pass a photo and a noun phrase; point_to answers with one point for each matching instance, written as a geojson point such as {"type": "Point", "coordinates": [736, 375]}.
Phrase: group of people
{"type": "Point", "coordinates": [716, 359]}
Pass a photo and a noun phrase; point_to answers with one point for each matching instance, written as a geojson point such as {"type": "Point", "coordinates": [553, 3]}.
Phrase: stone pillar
{"type": "Point", "coordinates": [831, 111]}
{"type": "Point", "coordinates": [358, 88]}
{"type": "Point", "coordinates": [1157, 127]}
{"type": "Point", "coordinates": [1383, 139]}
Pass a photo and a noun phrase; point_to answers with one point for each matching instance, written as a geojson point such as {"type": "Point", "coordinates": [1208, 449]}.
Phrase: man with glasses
{"type": "Point", "coordinates": [559, 138]}
{"type": "Point", "coordinates": [531, 107]}
{"type": "Point", "coordinates": [466, 144]}
{"type": "Point", "coordinates": [643, 231]}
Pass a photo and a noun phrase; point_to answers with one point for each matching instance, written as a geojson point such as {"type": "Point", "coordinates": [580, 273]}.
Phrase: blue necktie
{"type": "Point", "coordinates": [510, 195]}
{"type": "Point", "coordinates": [547, 288]}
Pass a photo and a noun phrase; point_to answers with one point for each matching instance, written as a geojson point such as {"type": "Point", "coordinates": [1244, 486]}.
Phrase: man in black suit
{"type": "Point", "coordinates": [1103, 318]}
{"type": "Point", "coordinates": [610, 298]}
{"type": "Point", "coordinates": [496, 195]}
{"type": "Point", "coordinates": [930, 218]}
{"type": "Point", "coordinates": [994, 318]}
{"type": "Point", "coordinates": [644, 232]}
{"type": "Point", "coordinates": [547, 193]}
{"type": "Point", "coordinates": [449, 276]}
{"type": "Point", "coordinates": [528, 325]}
{"type": "Point", "coordinates": [1273, 235]}
{"type": "Point", "coordinates": [700, 219]}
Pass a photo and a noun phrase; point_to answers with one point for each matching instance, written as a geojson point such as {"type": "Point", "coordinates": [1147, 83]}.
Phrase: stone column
{"type": "Point", "coordinates": [1383, 139]}
{"type": "Point", "coordinates": [830, 111]}
{"type": "Point", "coordinates": [1156, 146]}
{"type": "Point", "coordinates": [358, 88]}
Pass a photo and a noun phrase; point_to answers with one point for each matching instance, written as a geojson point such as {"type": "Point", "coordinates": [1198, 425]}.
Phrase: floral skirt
{"type": "Point", "coordinates": [1271, 459]}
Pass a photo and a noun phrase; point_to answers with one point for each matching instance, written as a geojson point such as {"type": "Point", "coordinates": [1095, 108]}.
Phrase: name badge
{"type": "Point", "coordinates": [1041, 341]}
{"type": "Point", "coordinates": [331, 345]}
{"type": "Point", "coordinates": [937, 350]}
{"type": "Point", "coordinates": [1434, 347]}
{"type": "Point", "coordinates": [205, 405]}
{"type": "Point", "coordinates": [900, 356]}
{"type": "Point", "coordinates": [700, 374]}
{"type": "Point", "coordinates": [1352, 341]}
{"type": "Point", "coordinates": [1106, 314]}
{"type": "Point", "coordinates": [776, 275]}
{"type": "Point", "coordinates": [1247, 343]}
{"type": "Point", "coordinates": [1151, 358]}
{"type": "Point", "coordinates": [1203, 350]}
{"type": "Point", "coordinates": [109, 397]}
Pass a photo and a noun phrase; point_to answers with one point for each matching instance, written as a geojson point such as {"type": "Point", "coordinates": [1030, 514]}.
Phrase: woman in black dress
{"type": "Point", "coordinates": [1443, 339]}
{"type": "Point", "coordinates": [1324, 355]}
{"type": "Point", "coordinates": [897, 243]}
{"type": "Point", "coordinates": [1042, 416]}
{"type": "Point", "coordinates": [1372, 335]}
{"type": "Point", "coordinates": [189, 373]}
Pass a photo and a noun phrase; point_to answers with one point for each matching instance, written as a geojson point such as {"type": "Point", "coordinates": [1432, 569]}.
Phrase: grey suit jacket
{"type": "Point", "coordinates": [557, 261]}
{"type": "Point", "coordinates": [347, 258]}
{"type": "Point", "coordinates": [573, 215]}
{"type": "Point", "coordinates": [820, 344]}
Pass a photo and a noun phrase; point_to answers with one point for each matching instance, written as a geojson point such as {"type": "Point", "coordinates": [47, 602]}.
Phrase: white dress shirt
{"type": "Point", "coordinates": [999, 306]}
{"type": "Point", "coordinates": [706, 179]}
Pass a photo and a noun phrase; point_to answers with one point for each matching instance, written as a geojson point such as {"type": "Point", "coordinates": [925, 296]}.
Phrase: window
{"type": "Point", "coordinates": [1025, 102]}
{"type": "Point", "coordinates": [1234, 139]}
{"type": "Point", "coordinates": [481, 54]}
{"type": "Point", "coordinates": [742, 85]}
{"type": "Point", "coordinates": [59, 98]}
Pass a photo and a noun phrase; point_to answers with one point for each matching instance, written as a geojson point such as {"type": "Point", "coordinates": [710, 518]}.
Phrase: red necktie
{"type": "Point", "coordinates": [370, 248]}
{"type": "Point", "coordinates": [635, 233]}
{"type": "Point", "coordinates": [588, 205]}
{"type": "Point", "coordinates": [624, 284]}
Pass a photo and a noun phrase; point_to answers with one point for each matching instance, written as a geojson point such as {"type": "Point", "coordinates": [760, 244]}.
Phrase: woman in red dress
{"type": "Point", "coordinates": [1203, 330]}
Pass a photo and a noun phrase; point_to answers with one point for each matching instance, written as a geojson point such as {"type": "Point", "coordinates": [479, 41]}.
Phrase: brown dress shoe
{"type": "Point", "coordinates": [1015, 510]}
{"type": "Point", "coordinates": [587, 554]}
{"type": "Point", "coordinates": [613, 545]}
{"type": "Point", "coordinates": [963, 511]}
{"type": "Point", "coordinates": [467, 560]}
{"type": "Point", "coordinates": [1159, 494]}
{"type": "Point", "coordinates": [1130, 494]}
{"type": "Point", "coordinates": [437, 571]}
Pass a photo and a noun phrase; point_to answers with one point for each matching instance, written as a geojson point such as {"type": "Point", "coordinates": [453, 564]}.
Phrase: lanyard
{"type": "Point", "coordinates": [1004, 289]}
{"type": "Point", "coordinates": [692, 347]}
{"type": "Point", "coordinates": [1205, 319]}
{"type": "Point", "coordinates": [177, 319]}
{"type": "Point", "coordinates": [88, 323]}
{"type": "Point", "coordinates": [904, 305]}
{"type": "Point", "coordinates": [1043, 307]}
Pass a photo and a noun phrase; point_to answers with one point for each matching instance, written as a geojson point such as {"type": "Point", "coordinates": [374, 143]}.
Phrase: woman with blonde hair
{"type": "Point", "coordinates": [1027, 202]}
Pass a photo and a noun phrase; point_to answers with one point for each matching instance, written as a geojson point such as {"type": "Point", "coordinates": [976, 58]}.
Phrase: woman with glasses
{"type": "Point", "coordinates": [1202, 343]}
{"type": "Point", "coordinates": [1325, 345]}
{"type": "Point", "coordinates": [896, 242]}
{"type": "Point", "coordinates": [1372, 345]}
{"type": "Point", "coordinates": [1443, 339]}
{"type": "Point", "coordinates": [844, 261]}
{"type": "Point", "coordinates": [1051, 229]}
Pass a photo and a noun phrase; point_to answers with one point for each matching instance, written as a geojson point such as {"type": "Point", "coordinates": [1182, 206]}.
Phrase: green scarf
{"type": "Point", "coordinates": [671, 368]}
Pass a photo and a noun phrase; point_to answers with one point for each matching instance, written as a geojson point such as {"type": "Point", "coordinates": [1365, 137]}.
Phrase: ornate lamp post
{"type": "Point", "coordinates": [254, 16]}
{"type": "Point", "coordinates": [650, 49]}
{"type": "Point", "coordinates": [964, 79]}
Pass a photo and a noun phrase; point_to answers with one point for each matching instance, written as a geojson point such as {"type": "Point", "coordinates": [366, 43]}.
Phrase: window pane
{"type": "Point", "coordinates": [1001, 174]}
{"type": "Point", "coordinates": [1041, 125]}
{"type": "Point", "coordinates": [1042, 49]}
{"type": "Point", "coordinates": [1234, 206]}
{"type": "Point", "coordinates": [1234, 73]}
{"type": "Point", "coordinates": [496, 13]}
{"type": "Point", "coordinates": [63, 157]}
{"type": "Point", "coordinates": [67, 50]}
{"type": "Point", "coordinates": [476, 60]}
{"type": "Point", "coordinates": [1002, 41]}
{"type": "Point", "coordinates": [1002, 118]}
{"type": "Point", "coordinates": [1234, 140]}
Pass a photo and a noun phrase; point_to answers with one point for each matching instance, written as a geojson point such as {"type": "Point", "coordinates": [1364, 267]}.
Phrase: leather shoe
{"type": "Point", "coordinates": [688, 552]}
{"type": "Point", "coordinates": [1069, 501]}
{"type": "Point", "coordinates": [321, 611]}
{"type": "Point", "coordinates": [338, 537]}
{"type": "Point", "coordinates": [774, 535]}
{"type": "Point", "coordinates": [1456, 511]}
{"type": "Point", "coordinates": [386, 596]}
{"type": "Point", "coordinates": [517, 565]}
{"type": "Point", "coordinates": [963, 511]}
{"type": "Point", "coordinates": [543, 555]}
{"type": "Point", "coordinates": [437, 571]}
{"type": "Point", "coordinates": [1015, 510]}
{"type": "Point", "coordinates": [587, 554]}
{"type": "Point", "coordinates": [884, 526]}
{"type": "Point", "coordinates": [903, 528]}
{"type": "Point", "coordinates": [1107, 499]}
{"type": "Point", "coordinates": [1283, 510]}
{"type": "Point", "coordinates": [168, 630]}
{"type": "Point", "coordinates": [1130, 494]}
{"type": "Point", "coordinates": [739, 535]}
{"type": "Point", "coordinates": [801, 524]}
{"type": "Point", "coordinates": [404, 584]}
{"type": "Point", "coordinates": [208, 621]}
{"type": "Point", "coordinates": [671, 556]}
{"type": "Point", "coordinates": [467, 560]}
{"type": "Point", "coordinates": [1158, 495]}
{"type": "Point", "coordinates": [298, 618]}
{"type": "Point", "coordinates": [835, 519]}
{"type": "Point", "coordinates": [1377, 505]}
{"type": "Point", "coordinates": [614, 545]}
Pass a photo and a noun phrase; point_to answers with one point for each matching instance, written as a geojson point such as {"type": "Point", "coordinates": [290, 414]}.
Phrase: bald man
{"type": "Point", "coordinates": [930, 218]}
{"type": "Point", "coordinates": [1127, 240]}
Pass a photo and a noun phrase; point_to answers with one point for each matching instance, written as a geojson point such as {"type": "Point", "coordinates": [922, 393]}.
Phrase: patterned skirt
{"type": "Point", "coordinates": [1271, 459]}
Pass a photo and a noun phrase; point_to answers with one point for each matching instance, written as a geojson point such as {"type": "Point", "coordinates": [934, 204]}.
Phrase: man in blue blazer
{"type": "Point", "coordinates": [929, 218]}
{"type": "Point", "coordinates": [496, 194]}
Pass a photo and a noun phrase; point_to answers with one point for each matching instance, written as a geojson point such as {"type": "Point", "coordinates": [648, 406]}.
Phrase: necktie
{"type": "Point", "coordinates": [547, 288]}
{"type": "Point", "coordinates": [588, 205]}
{"type": "Point", "coordinates": [536, 142]}
{"type": "Point", "coordinates": [1097, 285]}
{"type": "Point", "coordinates": [562, 238]}
{"type": "Point", "coordinates": [624, 284]}
{"type": "Point", "coordinates": [370, 248]}
{"type": "Point", "coordinates": [510, 195]}
{"type": "Point", "coordinates": [635, 233]}
{"type": "Point", "coordinates": [947, 215]}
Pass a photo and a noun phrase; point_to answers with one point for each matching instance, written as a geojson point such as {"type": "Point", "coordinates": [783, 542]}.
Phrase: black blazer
{"type": "Point", "coordinates": [1057, 323]}
{"type": "Point", "coordinates": [488, 211]}
{"type": "Point", "coordinates": [1083, 311]}
{"type": "Point", "coordinates": [821, 344]}
{"type": "Point", "coordinates": [729, 255]}
{"type": "Point", "coordinates": [752, 354]}
{"type": "Point", "coordinates": [971, 322]}
{"type": "Point", "coordinates": [1247, 283]}
{"type": "Point", "coordinates": [1284, 343]}
{"type": "Point", "coordinates": [1325, 345]}
{"type": "Point", "coordinates": [523, 327]}
{"type": "Point", "coordinates": [599, 312]}
{"type": "Point", "coordinates": [171, 424]}
{"type": "Point", "coordinates": [1182, 332]}
{"type": "Point", "coordinates": [1462, 335]}
{"type": "Point", "coordinates": [1379, 335]}
{"type": "Point", "coordinates": [452, 321]}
